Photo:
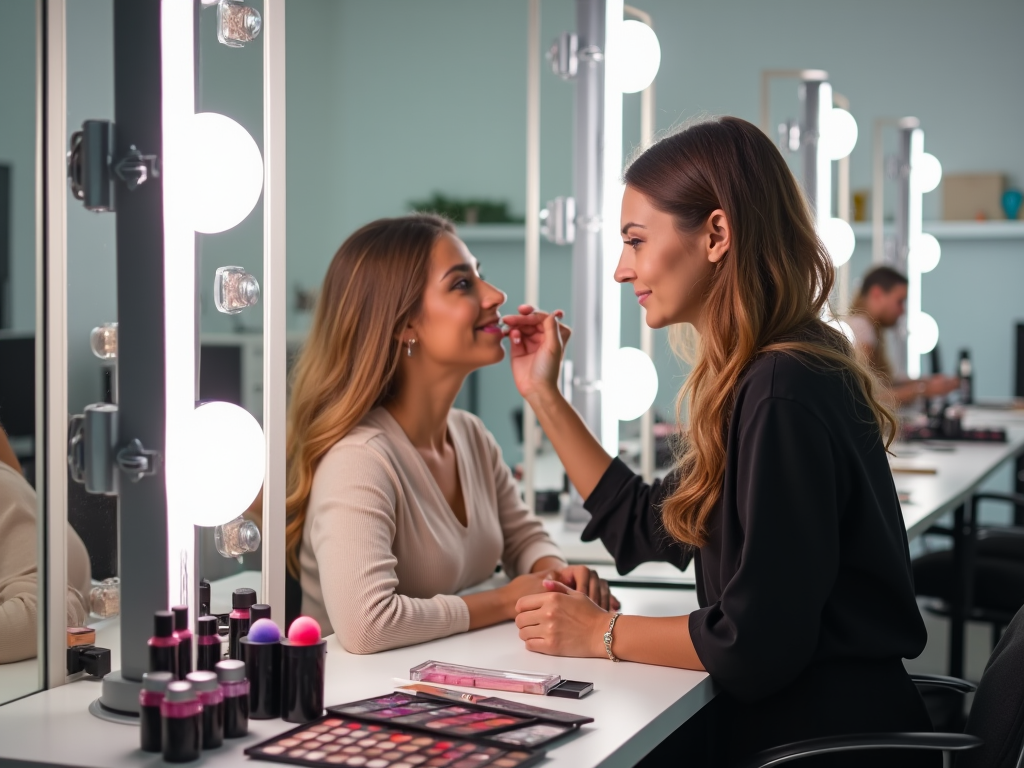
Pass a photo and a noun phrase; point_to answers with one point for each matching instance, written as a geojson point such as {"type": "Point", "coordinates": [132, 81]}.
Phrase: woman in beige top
{"type": "Point", "coordinates": [19, 568]}
{"type": "Point", "coordinates": [396, 501]}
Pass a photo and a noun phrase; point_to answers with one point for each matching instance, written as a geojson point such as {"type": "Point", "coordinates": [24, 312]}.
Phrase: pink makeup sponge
{"type": "Point", "coordinates": [304, 631]}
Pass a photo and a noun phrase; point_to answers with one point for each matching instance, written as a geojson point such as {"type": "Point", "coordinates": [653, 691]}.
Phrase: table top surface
{"type": "Point", "coordinates": [634, 706]}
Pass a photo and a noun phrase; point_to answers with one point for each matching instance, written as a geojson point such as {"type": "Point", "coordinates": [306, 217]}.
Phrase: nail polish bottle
{"type": "Point", "coordinates": [154, 686]}
{"type": "Point", "coordinates": [208, 651]}
{"type": "Point", "coordinates": [207, 688]}
{"type": "Point", "coordinates": [184, 635]}
{"type": "Point", "coordinates": [231, 674]}
{"type": "Point", "coordinates": [163, 645]}
{"type": "Point", "coordinates": [303, 656]}
{"type": "Point", "coordinates": [242, 599]}
{"type": "Point", "coordinates": [261, 652]}
{"type": "Point", "coordinates": [181, 723]}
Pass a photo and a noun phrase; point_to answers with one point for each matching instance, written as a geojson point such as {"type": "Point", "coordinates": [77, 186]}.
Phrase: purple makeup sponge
{"type": "Point", "coordinates": [264, 631]}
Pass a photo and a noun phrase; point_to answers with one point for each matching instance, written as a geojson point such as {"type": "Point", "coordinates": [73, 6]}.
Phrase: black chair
{"type": "Point", "coordinates": [998, 571]}
{"type": "Point", "coordinates": [994, 737]}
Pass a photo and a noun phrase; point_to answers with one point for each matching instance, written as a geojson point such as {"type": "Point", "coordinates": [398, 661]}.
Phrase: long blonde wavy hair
{"type": "Point", "coordinates": [373, 288]}
{"type": "Point", "coordinates": [766, 295]}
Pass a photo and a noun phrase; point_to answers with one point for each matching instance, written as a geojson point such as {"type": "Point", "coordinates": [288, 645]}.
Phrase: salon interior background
{"type": "Point", "coordinates": [391, 100]}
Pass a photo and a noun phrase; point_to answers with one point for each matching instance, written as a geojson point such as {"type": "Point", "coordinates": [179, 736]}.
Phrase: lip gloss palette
{"type": "Point", "coordinates": [333, 740]}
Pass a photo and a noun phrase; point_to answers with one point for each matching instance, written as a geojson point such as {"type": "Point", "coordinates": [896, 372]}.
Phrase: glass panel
{"type": "Point", "coordinates": [93, 595]}
{"type": "Point", "coordinates": [19, 540]}
{"type": "Point", "coordinates": [229, 83]}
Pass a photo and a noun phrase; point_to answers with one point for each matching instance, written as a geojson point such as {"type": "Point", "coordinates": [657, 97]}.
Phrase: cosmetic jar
{"type": "Point", "coordinates": [231, 674]}
{"type": "Point", "coordinates": [207, 688]}
{"type": "Point", "coordinates": [154, 686]}
{"type": "Point", "coordinates": [163, 645]}
{"type": "Point", "coordinates": [208, 651]}
{"type": "Point", "coordinates": [181, 723]}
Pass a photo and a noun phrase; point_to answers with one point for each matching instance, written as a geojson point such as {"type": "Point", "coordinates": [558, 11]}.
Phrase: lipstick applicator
{"type": "Point", "coordinates": [163, 645]}
{"type": "Point", "coordinates": [208, 651]}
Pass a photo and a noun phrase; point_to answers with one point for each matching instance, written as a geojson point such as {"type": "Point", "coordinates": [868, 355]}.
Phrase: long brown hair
{"type": "Point", "coordinates": [373, 288]}
{"type": "Point", "coordinates": [766, 295]}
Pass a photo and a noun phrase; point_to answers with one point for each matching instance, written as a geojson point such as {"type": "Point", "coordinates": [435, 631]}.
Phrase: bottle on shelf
{"type": "Point", "coordinates": [966, 373]}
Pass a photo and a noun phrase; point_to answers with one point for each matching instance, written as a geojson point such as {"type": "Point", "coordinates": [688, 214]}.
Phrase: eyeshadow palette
{"type": "Point", "coordinates": [333, 740]}
{"type": "Point", "coordinates": [523, 726]}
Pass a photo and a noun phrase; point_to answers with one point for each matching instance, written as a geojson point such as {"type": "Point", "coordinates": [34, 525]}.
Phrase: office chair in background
{"type": "Point", "coordinates": [993, 738]}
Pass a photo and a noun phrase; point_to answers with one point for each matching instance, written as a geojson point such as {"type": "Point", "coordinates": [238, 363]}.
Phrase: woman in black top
{"type": "Point", "coordinates": [782, 490]}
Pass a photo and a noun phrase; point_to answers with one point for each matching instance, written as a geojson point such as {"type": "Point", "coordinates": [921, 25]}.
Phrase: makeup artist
{"type": "Point", "coordinates": [782, 490]}
{"type": "Point", "coordinates": [396, 500]}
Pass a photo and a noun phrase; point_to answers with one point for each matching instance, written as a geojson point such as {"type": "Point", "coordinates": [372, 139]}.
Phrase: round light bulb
{"type": "Point", "coordinates": [927, 171]}
{"type": "Point", "coordinates": [924, 333]}
{"type": "Point", "coordinates": [225, 462]}
{"type": "Point", "coordinates": [839, 134]}
{"type": "Point", "coordinates": [639, 56]}
{"type": "Point", "coordinates": [631, 384]}
{"type": "Point", "coordinates": [926, 253]}
{"type": "Point", "coordinates": [103, 341]}
{"type": "Point", "coordinates": [226, 174]}
{"type": "Point", "coordinates": [839, 240]}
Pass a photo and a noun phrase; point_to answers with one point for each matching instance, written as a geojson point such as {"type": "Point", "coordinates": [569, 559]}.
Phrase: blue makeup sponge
{"type": "Point", "coordinates": [264, 631]}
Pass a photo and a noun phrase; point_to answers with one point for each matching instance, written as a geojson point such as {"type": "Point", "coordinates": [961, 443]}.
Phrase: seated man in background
{"type": "Point", "coordinates": [879, 304]}
{"type": "Point", "coordinates": [19, 577]}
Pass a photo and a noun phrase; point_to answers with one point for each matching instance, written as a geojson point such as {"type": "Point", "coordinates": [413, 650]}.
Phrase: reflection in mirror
{"type": "Point", "coordinates": [20, 585]}
{"type": "Point", "coordinates": [91, 326]}
{"type": "Point", "coordinates": [229, 249]}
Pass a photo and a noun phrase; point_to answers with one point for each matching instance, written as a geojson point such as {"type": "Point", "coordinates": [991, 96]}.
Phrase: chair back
{"type": "Point", "coordinates": [997, 714]}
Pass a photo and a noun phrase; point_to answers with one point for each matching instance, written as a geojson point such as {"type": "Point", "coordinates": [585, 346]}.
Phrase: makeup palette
{"type": "Point", "coordinates": [342, 741]}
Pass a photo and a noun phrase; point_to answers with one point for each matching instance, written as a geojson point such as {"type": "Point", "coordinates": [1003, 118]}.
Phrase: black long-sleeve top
{"type": "Point", "coordinates": [806, 558]}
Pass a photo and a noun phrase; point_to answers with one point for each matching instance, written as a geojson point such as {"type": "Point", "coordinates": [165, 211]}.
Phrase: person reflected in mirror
{"type": "Point", "coordinates": [397, 502]}
{"type": "Point", "coordinates": [877, 307]}
{"type": "Point", "coordinates": [19, 564]}
{"type": "Point", "coordinates": [782, 491]}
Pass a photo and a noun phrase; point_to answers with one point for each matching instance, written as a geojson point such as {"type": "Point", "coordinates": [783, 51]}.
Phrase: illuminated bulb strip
{"type": "Point", "coordinates": [178, 102]}
{"type": "Point", "coordinates": [823, 201]}
{"type": "Point", "coordinates": [611, 206]}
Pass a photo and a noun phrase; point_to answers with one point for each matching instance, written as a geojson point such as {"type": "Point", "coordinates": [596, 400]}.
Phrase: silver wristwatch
{"type": "Point", "coordinates": [608, 637]}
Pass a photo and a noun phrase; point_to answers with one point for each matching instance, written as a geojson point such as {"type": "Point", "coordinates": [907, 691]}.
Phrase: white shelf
{"type": "Point", "coordinates": [491, 233]}
{"type": "Point", "coordinates": [956, 230]}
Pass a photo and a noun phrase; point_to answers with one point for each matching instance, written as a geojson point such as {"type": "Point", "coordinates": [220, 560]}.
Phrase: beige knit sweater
{"type": "Point", "coordinates": [19, 578]}
{"type": "Point", "coordinates": [383, 554]}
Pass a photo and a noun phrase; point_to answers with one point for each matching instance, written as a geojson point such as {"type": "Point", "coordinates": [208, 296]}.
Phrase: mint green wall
{"type": "Point", "coordinates": [17, 149]}
{"type": "Point", "coordinates": [392, 99]}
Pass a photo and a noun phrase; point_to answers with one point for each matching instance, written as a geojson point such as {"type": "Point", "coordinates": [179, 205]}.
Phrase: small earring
{"type": "Point", "coordinates": [408, 347]}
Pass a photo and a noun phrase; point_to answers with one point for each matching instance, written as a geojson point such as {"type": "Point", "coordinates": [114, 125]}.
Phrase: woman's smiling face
{"type": "Point", "coordinates": [668, 269]}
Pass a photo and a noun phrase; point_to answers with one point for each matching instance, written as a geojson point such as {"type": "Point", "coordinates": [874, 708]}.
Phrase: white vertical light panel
{"type": "Point", "coordinates": [611, 205]}
{"type": "Point", "coordinates": [823, 200]}
{"type": "Point", "coordinates": [177, 58]}
{"type": "Point", "coordinates": [54, 493]}
{"type": "Point", "coordinates": [532, 252]}
{"type": "Point", "coordinates": [275, 297]}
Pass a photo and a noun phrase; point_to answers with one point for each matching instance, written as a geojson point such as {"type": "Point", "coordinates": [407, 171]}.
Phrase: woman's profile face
{"type": "Point", "coordinates": [667, 268]}
{"type": "Point", "coordinates": [459, 324]}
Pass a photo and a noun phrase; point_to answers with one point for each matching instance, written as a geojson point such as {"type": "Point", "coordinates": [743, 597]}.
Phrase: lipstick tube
{"type": "Point", "coordinates": [154, 686]}
{"type": "Point", "coordinates": [181, 721]}
{"type": "Point", "coordinates": [242, 599]}
{"type": "Point", "coordinates": [208, 650]}
{"type": "Point", "coordinates": [163, 646]}
{"type": "Point", "coordinates": [184, 635]}
{"type": "Point", "coordinates": [231, 674]}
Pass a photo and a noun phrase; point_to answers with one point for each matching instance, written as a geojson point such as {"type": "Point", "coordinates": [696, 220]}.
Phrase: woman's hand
{"type": "Point", "coordinates": [562, 622]}
{"type": "Point", "coordinates": [538, 345]}
{"type": "Point", "coordinates": [586, 581]}
{"type": "Point", "coordinates": [521, 586]}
